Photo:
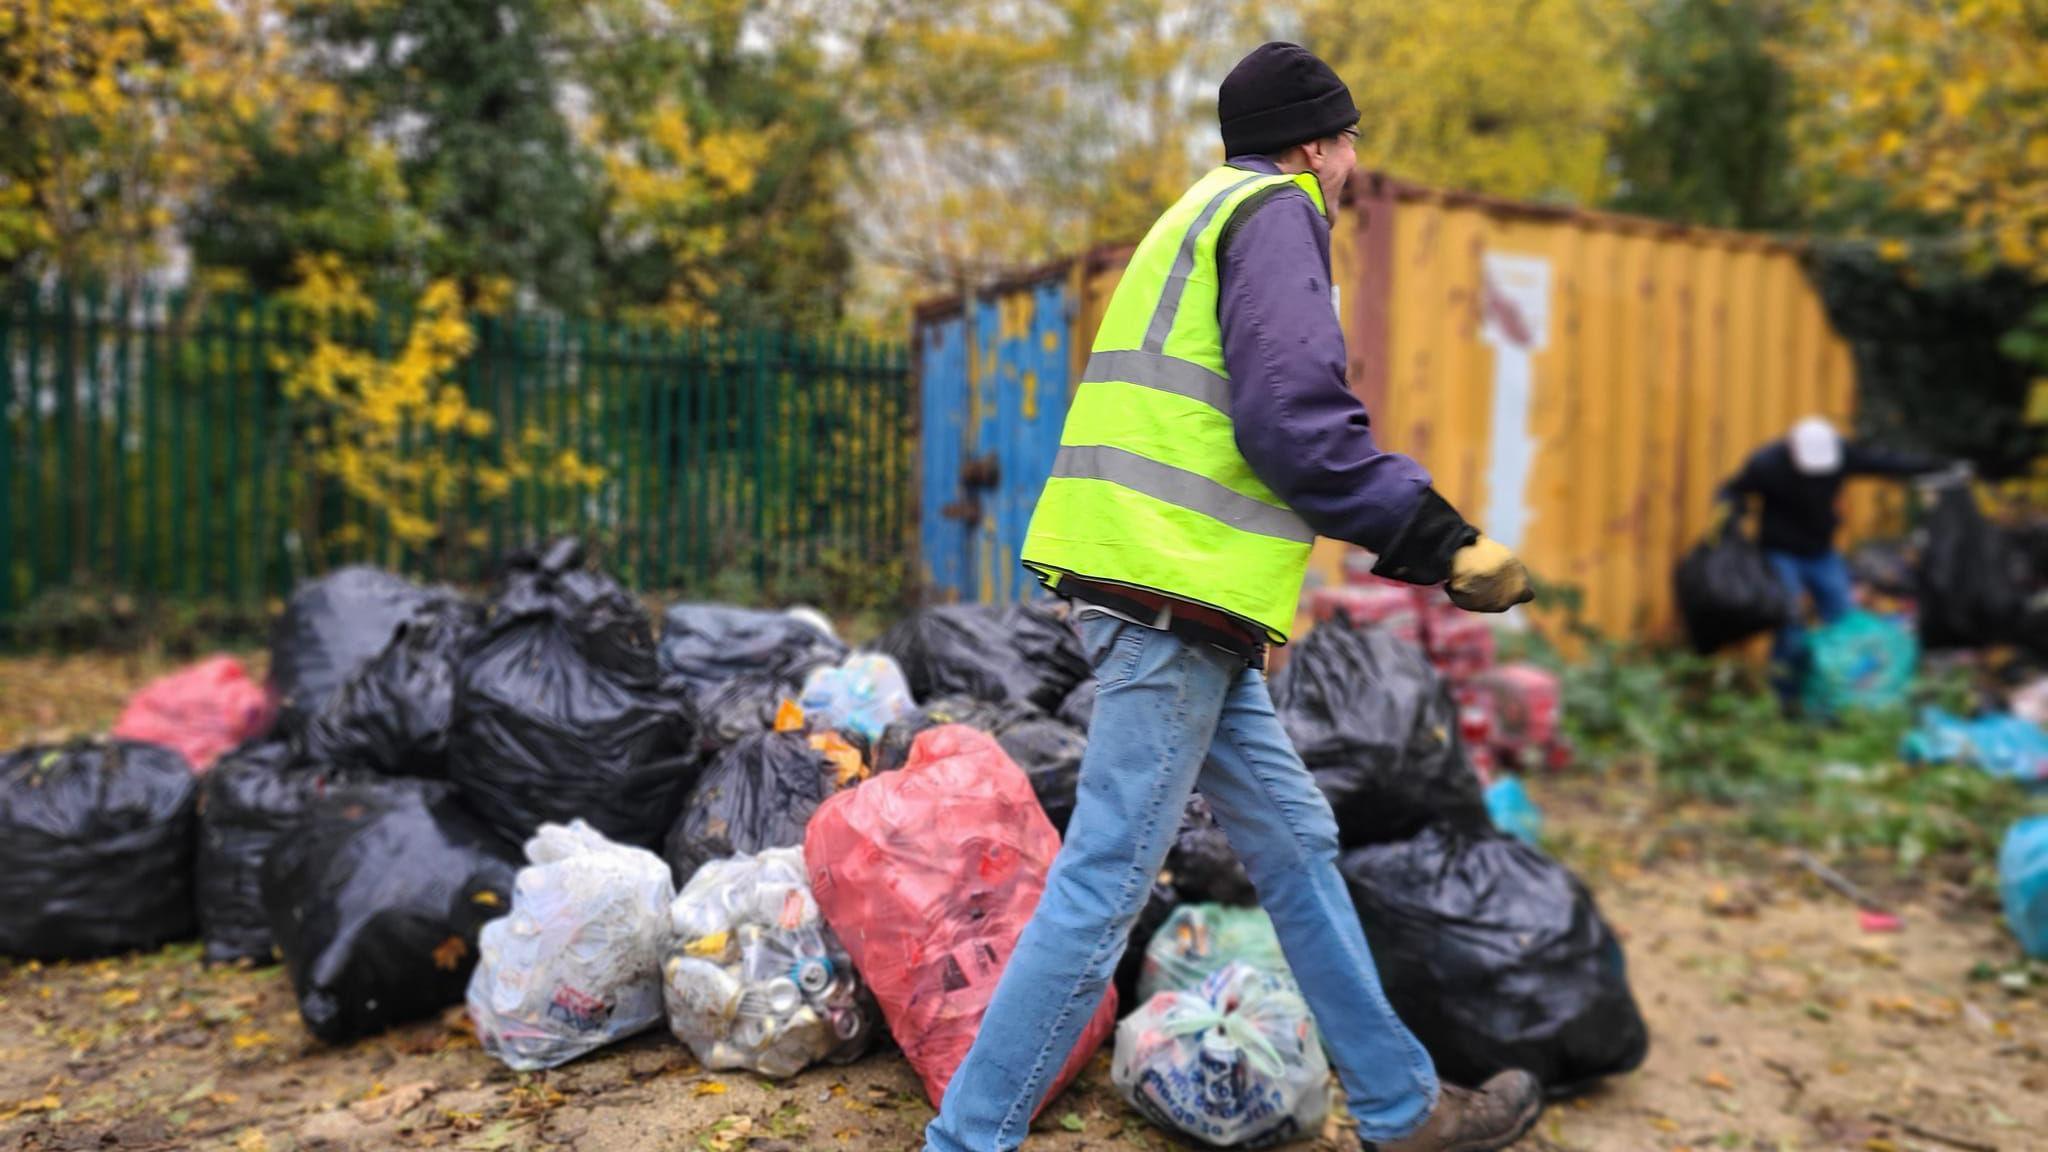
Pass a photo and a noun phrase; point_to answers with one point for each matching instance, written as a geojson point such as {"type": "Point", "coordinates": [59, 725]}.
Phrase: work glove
{"type": "Point", "coordinates": [1722, 516]}
{"type": "Point", "coordinates": [1486, 577]}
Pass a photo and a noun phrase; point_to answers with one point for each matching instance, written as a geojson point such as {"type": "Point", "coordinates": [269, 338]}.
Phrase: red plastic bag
{"type": "Point", "coordinates": [200, 711]}
{"type": "Point", "coordinates": [928, 876]}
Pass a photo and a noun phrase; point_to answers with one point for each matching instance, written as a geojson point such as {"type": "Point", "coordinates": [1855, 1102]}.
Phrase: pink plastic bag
{"type": "Point", "coordinates": [928, 876]}
{"type": "Point", "coordinates": [201, 711]}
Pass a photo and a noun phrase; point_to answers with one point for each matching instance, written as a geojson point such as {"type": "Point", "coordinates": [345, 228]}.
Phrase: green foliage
{"type": "Point", "coordinates": [94, 618]}
{"type": "Point", "coordinates": [1710, 731]}
{"type": "Point", "coordinates": [1705, 140]}
{"type": "Point", "coordinates": [466, 92]}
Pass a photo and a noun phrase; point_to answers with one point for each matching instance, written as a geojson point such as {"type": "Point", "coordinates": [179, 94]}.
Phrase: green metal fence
{"type": "Point", "coordinates": [148, 448]}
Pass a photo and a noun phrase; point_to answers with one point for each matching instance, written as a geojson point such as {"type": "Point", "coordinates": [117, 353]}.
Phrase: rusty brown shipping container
{"type": "Point", "coordinates": [1578, 383]}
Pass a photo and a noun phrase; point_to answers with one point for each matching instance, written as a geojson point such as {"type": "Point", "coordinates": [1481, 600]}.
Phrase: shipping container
{"type": "Point", "coordinates": [1578, 383]}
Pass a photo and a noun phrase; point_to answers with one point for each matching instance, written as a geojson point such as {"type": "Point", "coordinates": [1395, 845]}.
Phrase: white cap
{"type": "Point", "coordinates": [1816, 446]}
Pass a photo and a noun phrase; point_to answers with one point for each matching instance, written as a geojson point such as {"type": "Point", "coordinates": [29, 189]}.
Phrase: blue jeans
{"type": "Point", "coordinates": [1171, 716]}
{"type": "Point", "coordinates": [1826, 579]}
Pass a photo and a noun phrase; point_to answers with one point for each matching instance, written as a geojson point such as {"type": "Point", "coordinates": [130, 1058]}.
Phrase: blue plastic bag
{"type": "Point", "coordinates": [1860, 663]}
{"type": "Point", "coordinates": [2001, 744]}
{"type": "Point", "coordinates": [2023, 883]}
{"type": "Point", "coordinates": [1513, 810]}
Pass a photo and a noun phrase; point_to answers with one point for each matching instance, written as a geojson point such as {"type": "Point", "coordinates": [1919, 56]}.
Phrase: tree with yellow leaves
{"type": "Point", "coordinates": [1509, 99]}
{"type": "Point", "coordinates": [397, 432]}
{"type": "Point", "coordinates": [117, 117]}
{"type": "Point", "coordinates": [1930, 110]}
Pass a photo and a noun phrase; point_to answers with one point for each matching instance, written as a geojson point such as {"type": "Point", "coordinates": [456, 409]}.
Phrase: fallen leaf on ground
{"type": "Point", "coordinates": [1718, 1082]}
{"type": "Point", "coordinates": [449, 953]}
{"type": "Point", "coordinates": [247, 1040]}
{"type": "Point", "coordinates": [1073, 1123]}
{"type": "Point", "coordinates": [728, 1134]}
{"type": "Point", "coordinates": [39, 1104]}
{"type": "Point", "coordinates": [393, 1103]}
{"type": "Point", "coordinates": [709, 1088]}
{"type": "Point", "coordinates": [252, 1140]}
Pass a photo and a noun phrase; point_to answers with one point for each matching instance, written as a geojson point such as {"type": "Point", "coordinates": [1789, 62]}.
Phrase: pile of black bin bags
{"type": "Point", "coordinates": [368, 839]}
{"type": "Point", "coordinates": [1491, 952]}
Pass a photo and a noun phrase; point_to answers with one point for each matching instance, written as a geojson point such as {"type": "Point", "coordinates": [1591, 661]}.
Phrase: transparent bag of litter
{"type": "Point", "coordinates": [577, 963]}
{"type": "Point", "coordinates": [863, 695]}
{"type": "Point", "coordinates": [754, 979]}
{"type": "Point", "coordinates": [1199, 939]}
{"type": "Point", "coordinates": [1235, 1063]}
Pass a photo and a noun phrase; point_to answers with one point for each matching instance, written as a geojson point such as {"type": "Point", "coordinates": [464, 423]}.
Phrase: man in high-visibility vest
{"type": "Point", "coordinates": [1211, 439]}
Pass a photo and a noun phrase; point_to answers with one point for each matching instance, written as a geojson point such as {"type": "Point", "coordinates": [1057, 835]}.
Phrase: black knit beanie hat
{"type": "Point", "coordinates": [1279, 96]}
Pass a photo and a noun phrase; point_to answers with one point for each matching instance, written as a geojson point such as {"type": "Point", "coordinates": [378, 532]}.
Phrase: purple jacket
{"type": "Point", "coordinates": [1299, 425]}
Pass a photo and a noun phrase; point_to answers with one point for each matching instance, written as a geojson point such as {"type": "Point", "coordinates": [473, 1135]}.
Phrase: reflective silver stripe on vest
{"type": "Point", "coordinates": [1183, 264]}
{"type": "Point", "coordinates": [1180, 488]}
{"type": "Point", "coordinates": [1159, 371]}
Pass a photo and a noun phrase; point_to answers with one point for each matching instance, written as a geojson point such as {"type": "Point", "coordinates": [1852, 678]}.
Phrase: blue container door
{"type": "Point", "coordinates": [942, 535]}
{"type": "Point", "coordinates": [1023, 335]}
{"type": "Point", "coordinates": [989, 444]}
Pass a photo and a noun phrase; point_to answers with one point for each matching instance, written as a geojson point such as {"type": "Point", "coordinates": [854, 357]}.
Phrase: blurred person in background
{"type": "Point", "coordinates": [1797, 481]}
{"type": "Point", "coordinates": [1212, 438]}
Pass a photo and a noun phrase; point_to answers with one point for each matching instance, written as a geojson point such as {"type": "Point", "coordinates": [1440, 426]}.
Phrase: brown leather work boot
{"type": "Point", "coordinates": [1500, 1113]}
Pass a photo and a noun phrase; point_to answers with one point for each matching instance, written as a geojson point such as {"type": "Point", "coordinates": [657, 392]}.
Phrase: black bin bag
{"type": "Point", "coordinates": [392, 716]}
{"type": "Point", "coordinates": [893, 749]}
{"type": "Point", "coordinates": [375, 902]}
{"type": "Point", "coordinates": [1727, 592]}
{"type": "Point", "coordinates": [558, 713]}
{"type": "Point", "coordinates": [1202, 866]}
{"type": "Point", "coordinates": [254, 797]}
{"type": "Point", "coordinates": [1047, 749]}
{"type": "Point", "coordinates": [96, 842]}
{"type": "Point", "coordinates": [1968, 595]}
{"type": "Point", "coordinates": [736, 665]}
{"type": "Point", "coordinates": [758, 794]}
{"type": "Point", "coordinates": [1496, 957]}
{"type": "Point", "coordinates": [1006, 653]}
{"type": "Point", "coordinates": [333, 626]}
{"type": "Point", "coordinates": [1378, 728]}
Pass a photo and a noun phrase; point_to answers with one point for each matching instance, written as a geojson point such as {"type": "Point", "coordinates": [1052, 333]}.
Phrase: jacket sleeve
{"type": "Point", "coordinates": [1298, 424]}
{"type": "Point", "coordinates": [1863, 459]}
{"type": "Point", "coordinates": [1743, 483]}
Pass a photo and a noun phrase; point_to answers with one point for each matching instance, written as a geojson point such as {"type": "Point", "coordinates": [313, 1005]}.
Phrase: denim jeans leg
{"type": "Point", "coordinates": [1281, 826]}
{"type": "Point", "coordinates": [1827, 579]}
{"type": "Point", "coordinates": [1789, 645]}
{"type": "Point", "coordinates": [1157, 706]}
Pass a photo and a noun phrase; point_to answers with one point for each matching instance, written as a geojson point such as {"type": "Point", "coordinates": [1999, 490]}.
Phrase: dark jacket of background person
{"type": "Point", "coordinates": [1801, 513]}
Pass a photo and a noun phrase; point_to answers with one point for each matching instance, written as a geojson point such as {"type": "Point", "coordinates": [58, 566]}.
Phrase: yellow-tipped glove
{"type": "Point", "coordinates": [1486, 577]}
{"type": "Point", "coordinates": [1717, 521]}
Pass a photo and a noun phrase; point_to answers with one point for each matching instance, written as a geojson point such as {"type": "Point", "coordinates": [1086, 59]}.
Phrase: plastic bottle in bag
{"type": "Point", "coordinates": [863, 695]}
{"type": "Point", "coordinates": [577, 964]}
{"type": "Point", "coordinates": [1234, 1063]}
{"type": "Point", "coordinates": [1199, 939]}
{"type": "Point", "coordinates": [754, 979]}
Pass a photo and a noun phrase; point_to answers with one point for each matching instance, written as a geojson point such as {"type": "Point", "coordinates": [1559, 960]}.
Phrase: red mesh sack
{"type": "Point", "coordinates": [928, 876]}
{"type": "Point", "coordinates": [200, 711]}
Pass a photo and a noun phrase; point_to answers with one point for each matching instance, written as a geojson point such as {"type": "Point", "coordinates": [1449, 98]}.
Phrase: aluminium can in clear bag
{"type": "Point", "coordinates": [754, 979]}
{"type": "Point", "coordinates": [1234, 1063]}
{"type": "Point", "coordinates": [577, 963]}
{"type": "Point", "coordinates": [865, 694]}
{"type": "Point", "coordinates": [1199, 939]}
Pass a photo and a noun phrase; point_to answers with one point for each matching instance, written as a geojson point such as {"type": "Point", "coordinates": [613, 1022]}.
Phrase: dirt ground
{"type": "Point", "coordinates": [1778, 1022]}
